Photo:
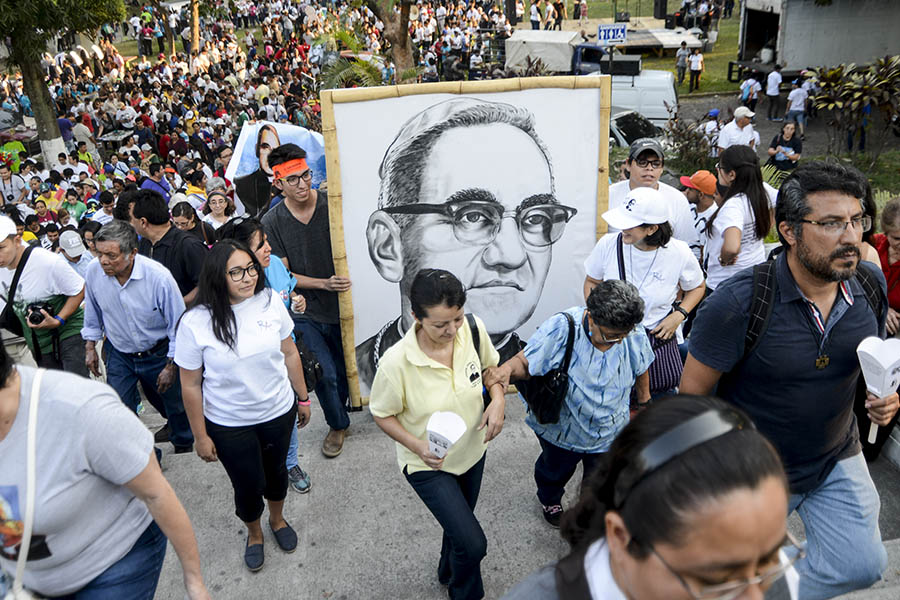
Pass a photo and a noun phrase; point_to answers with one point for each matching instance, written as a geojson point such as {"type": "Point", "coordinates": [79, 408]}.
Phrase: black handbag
{"type": "Point", "coordinates": [8, 319]}
{"type": "Point", "coordinates": [312, 369]}
{"type": "Point", "coordinates": [545, 394]}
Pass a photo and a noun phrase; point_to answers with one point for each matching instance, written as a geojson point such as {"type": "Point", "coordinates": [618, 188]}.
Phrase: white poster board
{"type": "Point", "coordinates": [451, 153]}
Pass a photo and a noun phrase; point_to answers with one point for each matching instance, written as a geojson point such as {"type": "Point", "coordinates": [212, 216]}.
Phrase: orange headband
{"type": "Point", "coordinates": [297, 165]}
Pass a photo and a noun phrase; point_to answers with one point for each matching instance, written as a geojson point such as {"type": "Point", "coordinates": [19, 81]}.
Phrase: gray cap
{"type": "Point", "coordinates": [643, 144]}
{"type": "Point", "coordinates": [71, 242]}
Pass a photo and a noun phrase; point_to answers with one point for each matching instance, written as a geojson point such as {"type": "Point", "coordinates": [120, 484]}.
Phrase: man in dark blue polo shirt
{"type": "Point", "coordinates": [799, 383]}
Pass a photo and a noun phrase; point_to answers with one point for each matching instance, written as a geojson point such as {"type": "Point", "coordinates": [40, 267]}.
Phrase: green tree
{"type": "Point", "coordinates": [396, 30]}
{"type": "Point", "coordinates": [30, 27]}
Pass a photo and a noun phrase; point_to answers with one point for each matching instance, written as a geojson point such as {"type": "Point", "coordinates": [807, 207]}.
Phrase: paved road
{"type": "Point", "coordinates": [816, 143]}
{"type": "Point", "coordinates": [365, 535]}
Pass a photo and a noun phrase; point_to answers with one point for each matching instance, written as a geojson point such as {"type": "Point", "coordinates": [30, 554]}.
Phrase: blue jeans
{"type": "Point", "coordinates": [554, 468]}
{"type": "Point", "coordinates": [134, 576]}
{"type": "Point", "coordinates": [293, 449]}
{"type": "Point", "coordinates": [123, 372]}
{"type": "Point", "coordinates": [843, 542]}
{"type": "Point", "coordinates": [324, 340]}
{"type": "Point", "coordinates": [451, 499]}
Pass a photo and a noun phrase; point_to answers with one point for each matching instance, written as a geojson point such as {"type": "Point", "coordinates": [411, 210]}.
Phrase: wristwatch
{"type": "Point", "coordinates": [676, 306]}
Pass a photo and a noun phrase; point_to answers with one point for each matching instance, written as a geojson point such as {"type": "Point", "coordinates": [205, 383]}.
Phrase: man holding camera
{"type": "Point", "coordinates": [46, 301]}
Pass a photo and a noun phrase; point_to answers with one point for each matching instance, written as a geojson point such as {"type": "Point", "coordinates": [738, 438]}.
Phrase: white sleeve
{"type": "Point", "coordinates": [691, 274]}
{"type": "Point", "coordinates": [731, 214]}
{"type": "Point", "coordinates": [188, 354]}
{"type": "Point", "coordinates": [595, 264]}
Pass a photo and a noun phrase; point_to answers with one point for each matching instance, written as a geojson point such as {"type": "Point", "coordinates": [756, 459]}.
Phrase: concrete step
{"type": "Point", "coordinates": [889, 587]}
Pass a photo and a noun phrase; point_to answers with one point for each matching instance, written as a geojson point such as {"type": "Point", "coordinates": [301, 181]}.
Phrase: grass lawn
{"type": "Point", "coordinates": [885, 175]}
{"type": "Point", "coordinates": [715, 77]}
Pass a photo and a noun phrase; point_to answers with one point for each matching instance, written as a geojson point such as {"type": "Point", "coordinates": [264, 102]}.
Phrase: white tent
{"type": "Point", "coordinates": [554, 48]}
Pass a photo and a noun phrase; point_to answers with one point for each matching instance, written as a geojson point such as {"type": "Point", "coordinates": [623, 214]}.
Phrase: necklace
{"type": "Point", "coordinates": [822, 358]}
{"type": "Point", "coordinates": [647, 272]}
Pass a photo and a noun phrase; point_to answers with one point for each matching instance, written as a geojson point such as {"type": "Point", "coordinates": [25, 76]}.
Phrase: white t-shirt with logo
{"type": "Point", "coordinates": [249, 384]}
{"type": "Point", "coordinates": [46, 274]}
{"type": "Point", "coordinates": [680, 217]}
{"type": "Point", "coordinates": [736, 212]}
{"type": "Point", "coordinates": [657, 274]}
{"type": "Point", "coordinates": [700, 221]}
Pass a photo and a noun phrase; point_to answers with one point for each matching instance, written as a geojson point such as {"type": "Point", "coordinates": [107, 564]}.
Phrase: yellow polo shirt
{"type": "Point", "coordinates": [411, 386]}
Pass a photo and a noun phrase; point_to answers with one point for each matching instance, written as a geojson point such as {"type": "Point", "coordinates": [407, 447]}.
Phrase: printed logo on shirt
{"type": "Point", "coordinates": [265, 324]}
{"type": "Point", "coordinates": [473, 373]}
{"type": "Point", "coordinates": [12, 527]}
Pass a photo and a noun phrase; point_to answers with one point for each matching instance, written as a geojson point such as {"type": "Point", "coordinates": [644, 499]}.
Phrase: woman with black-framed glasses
{"type": "Point", "coordinates": [240, 371]}
{"type": "Point", "coordinates": [690, 503]}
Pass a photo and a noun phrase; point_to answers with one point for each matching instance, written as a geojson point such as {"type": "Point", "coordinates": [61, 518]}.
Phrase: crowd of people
{"type": "Point", "coordinates": [139, 266]}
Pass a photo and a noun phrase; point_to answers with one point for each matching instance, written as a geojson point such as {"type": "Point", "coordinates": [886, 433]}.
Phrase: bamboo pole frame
{"type": "Point", "coordinates": [335, 195]}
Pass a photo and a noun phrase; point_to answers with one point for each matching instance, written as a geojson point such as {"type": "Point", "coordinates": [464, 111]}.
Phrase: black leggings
{"type": "Point", "coordinates": [253, 457]}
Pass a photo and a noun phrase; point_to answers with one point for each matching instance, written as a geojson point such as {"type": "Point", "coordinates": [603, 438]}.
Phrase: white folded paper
{"type": "Point", "coordinates": [880, 363]}
{"type": "Point", "coordinates": [444, 429]}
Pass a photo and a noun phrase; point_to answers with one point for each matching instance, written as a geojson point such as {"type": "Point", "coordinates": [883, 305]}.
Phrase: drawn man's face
{"type": "Point", "coordinates": [268, 141]}
{"type": "Point", "coordinates": [503, 276]}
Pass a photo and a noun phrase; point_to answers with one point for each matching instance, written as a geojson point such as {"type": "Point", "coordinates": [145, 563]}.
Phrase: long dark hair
{"type": "Point", "coordinates": [655, 507]}
{"type": "Point", "coordinates": [212, 288]}
{"type": "Point", "coordinates": [748, 180]}
{"type": "Point", "coordinates": [241, 229]}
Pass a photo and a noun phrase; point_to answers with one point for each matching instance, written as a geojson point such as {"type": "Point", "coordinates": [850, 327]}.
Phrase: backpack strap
{"type": "Point", "coordinates": [476, 335]}
{"type": "Point", "coordinates": [872, 290]}
{"type": "Point", "coordinates": [764, 284]}
{"type": "Point", "coordinates": [620, 256]}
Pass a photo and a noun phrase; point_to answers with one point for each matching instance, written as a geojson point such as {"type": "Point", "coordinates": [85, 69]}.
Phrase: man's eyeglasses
{"type": "Point", "coordinates": [478, 222]}
{"type": "Point", "coordinates": [294, 180]}
{"type": "Point", "coordinates": [237, 273]}
{"type": "Point", "coordinates": [836, 227]}
{"type": "Point", "coordinates": [644, 163]}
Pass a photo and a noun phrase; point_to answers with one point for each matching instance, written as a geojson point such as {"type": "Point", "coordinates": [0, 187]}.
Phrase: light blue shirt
{"type": "Point", "coordinates": [280, 280]}
{"type": "Point", "coordinates": [134, 316]}
{"type": "Point", "coordinates": [596, 404]}
{"type": "Point", "coordinates": [82, 264]}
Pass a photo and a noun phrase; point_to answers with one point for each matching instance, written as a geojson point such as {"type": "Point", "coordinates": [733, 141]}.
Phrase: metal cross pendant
{"type": "Point", "coordinates": [822, 362]}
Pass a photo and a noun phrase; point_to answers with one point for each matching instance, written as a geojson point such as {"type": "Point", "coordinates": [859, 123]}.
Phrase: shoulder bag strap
{"type": "Point", "coordinates": [25, 546]}
{"type": "Point", "coordinates": [15, 280]}
{"type": "Point", "coordinates": [570, 343]}
{"type": "Point", "coordinates": [620, 255]}
{"type": "Point", "coordinates": [764, 284]}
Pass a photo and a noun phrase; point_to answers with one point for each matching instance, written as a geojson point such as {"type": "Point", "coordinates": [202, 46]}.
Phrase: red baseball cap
{"type": "Point", "coordinates": [702, 180]}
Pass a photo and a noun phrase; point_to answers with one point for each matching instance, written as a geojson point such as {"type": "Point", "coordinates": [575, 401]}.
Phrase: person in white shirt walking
{"type": "Point", "coordinates": [644, 167]}
{"type": "Point", "coordinates": [796, 110]}
{"type": "Point", "coordinates": [773, 93]}
{"type": "Point", "coordinates": [738, 131]}
{"type": "Point", "coordinates": [696, 64]}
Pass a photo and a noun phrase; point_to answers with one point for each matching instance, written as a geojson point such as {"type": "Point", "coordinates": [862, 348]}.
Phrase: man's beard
{"type": "Point", "coordinates": [821, 266]}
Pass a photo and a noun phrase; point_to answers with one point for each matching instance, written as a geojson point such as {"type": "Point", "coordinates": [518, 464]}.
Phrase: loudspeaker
{"type": "Point", "coordinates": [659, 9]}
{"type": "Point", "coordinates": [670, 21]}
{"type": "Point", "coordinates": [623, 64]}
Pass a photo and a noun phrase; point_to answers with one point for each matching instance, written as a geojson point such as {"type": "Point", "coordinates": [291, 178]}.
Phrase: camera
{"type": "Point", "coordinates": [33, 312]}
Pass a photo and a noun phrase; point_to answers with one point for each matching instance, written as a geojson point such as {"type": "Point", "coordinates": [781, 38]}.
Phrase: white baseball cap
{"type": "Point", "coordinates": [642, 205]}
{"type": "Point", "coordinates": [71, 242]}
{"type": "Point", "coordinates": [743, 111]}
{"type": "Point", "coordinates": [7, 227]}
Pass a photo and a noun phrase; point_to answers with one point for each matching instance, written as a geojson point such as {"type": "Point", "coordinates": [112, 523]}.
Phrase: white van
{"type": "Point", "coordinates": [648, 94]}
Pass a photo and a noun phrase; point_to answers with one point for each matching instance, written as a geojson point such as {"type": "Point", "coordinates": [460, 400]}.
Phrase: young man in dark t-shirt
{"type": "Point", "coordinates": [298, 231]}
{"type": "Point", "coordinates": [799, 383]}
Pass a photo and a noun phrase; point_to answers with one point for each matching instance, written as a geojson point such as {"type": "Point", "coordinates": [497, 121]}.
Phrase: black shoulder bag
{"type": "Point", "coordinates": [545, 394]}
{"type": "Point", "coordinates": [8, 319]}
